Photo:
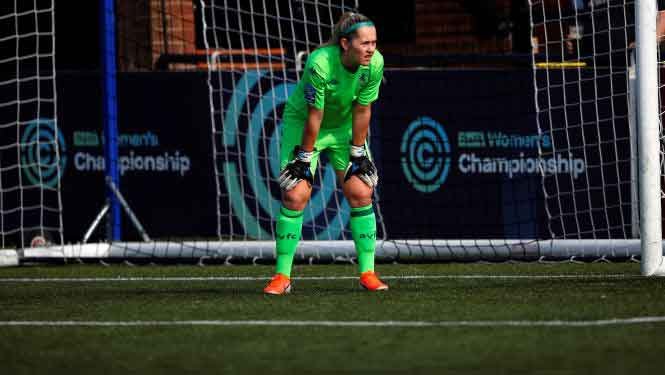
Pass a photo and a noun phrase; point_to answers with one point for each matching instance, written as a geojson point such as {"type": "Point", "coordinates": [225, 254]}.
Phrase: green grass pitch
{"type": "Point", "coordinates": [476, 304]}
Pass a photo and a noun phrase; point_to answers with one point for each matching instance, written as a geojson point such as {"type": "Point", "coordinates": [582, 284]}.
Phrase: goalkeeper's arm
{"type": "Point", "coordinates": [361, 116]}
{"type": "Point", "coordinates": [298, 169]}
{"type": "Point", "coordinates": [312, 127]}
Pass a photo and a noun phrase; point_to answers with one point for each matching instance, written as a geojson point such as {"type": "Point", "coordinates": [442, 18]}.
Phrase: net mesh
{"type": "Point", "coordinates": [30, 141]}
{"type": "Point", "coordinates": [252, 52]}
{"type": "Point", "coordinates": [255, 50]}
{"type": "Point", "coordinates": [582, 55]}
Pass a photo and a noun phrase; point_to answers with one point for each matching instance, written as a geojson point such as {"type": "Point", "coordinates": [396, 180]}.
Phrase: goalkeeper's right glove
{"type": "Point", "coordinates": [297, 170]}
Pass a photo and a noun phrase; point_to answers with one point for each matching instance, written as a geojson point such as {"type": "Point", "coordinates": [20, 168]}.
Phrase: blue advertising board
{"type": "Point", "coordinates": [456, 152]}
{"type": "Point", "coordinates": [165, 161]}
{"type": "Point", "coordinates": [459, 155]}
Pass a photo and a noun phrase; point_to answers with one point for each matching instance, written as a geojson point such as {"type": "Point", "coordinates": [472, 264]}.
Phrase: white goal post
{"type": "Point", "coordinates": [649, 139]}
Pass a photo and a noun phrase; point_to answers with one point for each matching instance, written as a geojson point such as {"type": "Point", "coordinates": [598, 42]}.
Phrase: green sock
{"type": "Point", "coordinates": [288, 231]}
{"type": "Point", "coordinates": [363, 231]}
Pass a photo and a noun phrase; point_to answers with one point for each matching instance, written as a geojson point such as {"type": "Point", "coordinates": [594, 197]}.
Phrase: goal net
{"type": "Point", "coordinates": [30, 141]}
{"type": "Point", "coordinates": [582, 57]}
{"type": "Point", "coordinates": [252, 53]}
{"type": "Point", "coordinates": [588, 103]}
{"type": "Point", "coordinates": [255, 52]}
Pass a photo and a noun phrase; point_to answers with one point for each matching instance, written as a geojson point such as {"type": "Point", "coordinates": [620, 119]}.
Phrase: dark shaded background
{"type": "Point", "coordinates": [78, 40]}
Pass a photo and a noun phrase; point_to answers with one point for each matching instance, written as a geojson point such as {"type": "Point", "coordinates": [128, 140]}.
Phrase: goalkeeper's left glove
{"type": "Point", "coordinates": [361, 165]}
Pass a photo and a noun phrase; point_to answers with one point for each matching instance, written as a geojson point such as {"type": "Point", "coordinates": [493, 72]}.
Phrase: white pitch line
{"type": "Point", "coordinates": [263, 278]}
{"type": "Point", "coordinates": [339, 323]}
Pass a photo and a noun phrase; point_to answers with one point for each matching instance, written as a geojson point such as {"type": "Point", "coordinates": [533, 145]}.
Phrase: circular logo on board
{"type": "Point", "coordinates": [425, 154]}
{"type": "Point", "coordinates": [249, 156]}
{"type": "Point", "coordinates": [42, 150]}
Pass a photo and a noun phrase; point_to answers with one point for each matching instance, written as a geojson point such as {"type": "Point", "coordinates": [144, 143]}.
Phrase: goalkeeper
{"type": "Point", "coordinates": [329, 112]}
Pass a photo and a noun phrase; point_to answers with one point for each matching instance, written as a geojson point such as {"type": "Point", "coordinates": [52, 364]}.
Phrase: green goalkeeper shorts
{"type": "Point", "coordinates": [335, 143]}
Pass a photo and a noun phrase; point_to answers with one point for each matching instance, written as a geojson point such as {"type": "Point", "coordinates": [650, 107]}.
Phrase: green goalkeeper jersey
{"type": "Point", "coordinates": [327, 85]}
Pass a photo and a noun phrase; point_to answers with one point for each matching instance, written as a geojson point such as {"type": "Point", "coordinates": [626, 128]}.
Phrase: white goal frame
{"type": "Point", "coordinates": [648, 139]}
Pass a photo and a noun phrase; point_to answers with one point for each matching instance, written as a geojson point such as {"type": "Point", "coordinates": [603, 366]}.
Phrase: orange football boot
{"type": "Point", "coordinates": [371, 282]}
{"type": "Point", "coordinates": [279, 284]}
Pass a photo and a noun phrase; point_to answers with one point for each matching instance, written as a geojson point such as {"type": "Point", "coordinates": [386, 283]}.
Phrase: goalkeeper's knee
{"type": "Point", "coordinates": [298, 197]}
{"type": "Point", "coordinates": [357, 192]}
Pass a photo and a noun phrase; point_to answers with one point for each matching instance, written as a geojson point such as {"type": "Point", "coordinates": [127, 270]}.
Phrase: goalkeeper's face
{"type": "Point", "coordinates": [362, 46]}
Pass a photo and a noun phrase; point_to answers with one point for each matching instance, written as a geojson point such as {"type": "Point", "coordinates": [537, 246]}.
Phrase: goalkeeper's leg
{"type": "Point", "coordinates": [359, 196]}
{"type": "Point", "coordinates": [289, 221]}
{"type": "Point", "coordinates": [287, 234]}
{"type": "Point", "coordinates": [362, 222]}
{"type": "Point", "coordinates": [363, 229]}
{"type": "Point", "coordinates": [289, 226]}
